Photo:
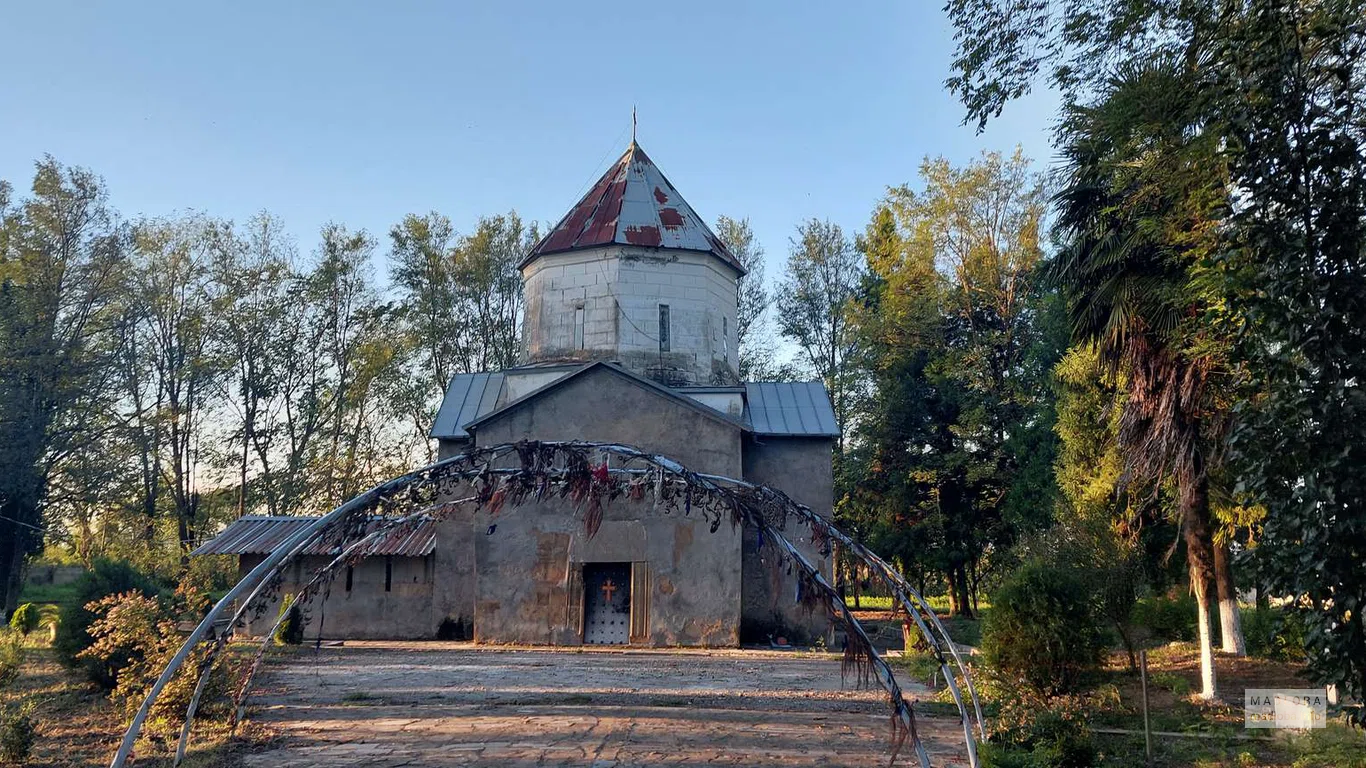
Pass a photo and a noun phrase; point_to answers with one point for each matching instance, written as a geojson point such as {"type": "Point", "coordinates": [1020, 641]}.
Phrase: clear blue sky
{"type": "Point", "coordinates": [362, 112]}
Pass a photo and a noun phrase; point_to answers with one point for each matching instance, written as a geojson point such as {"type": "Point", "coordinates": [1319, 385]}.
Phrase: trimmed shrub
{"type": "Point", "coordinates": [291, 631]}
{"type": "Point", "coordinates": [1272, 633]}
{"type": "Point", "coordinates": [25, 619]}
{"type": "Point", "coordinates": [1167, 619]}
{"type": "Point", "coordinates": [11, 656]}
{"type": "Point", "coordinates": [1042, 632]}
{"type": "Point", "coordinates": [107, 577]}
{"type": "Point", "coordinates": [17, 731]}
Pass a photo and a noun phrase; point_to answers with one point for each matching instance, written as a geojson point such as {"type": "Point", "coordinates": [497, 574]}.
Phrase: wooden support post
{"type": "Point", "coordinates": [1147, 732]}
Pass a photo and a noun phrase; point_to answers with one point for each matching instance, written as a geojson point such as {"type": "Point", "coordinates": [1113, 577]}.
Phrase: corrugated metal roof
{"type": "Point", "coordinates": [261, 534]}
{"type": "Point", "coordinates": [790, 408]}
{"type": "Point", "coordinates": [469, 396]}
{"type": "Point", "coordinates": [633, 204]}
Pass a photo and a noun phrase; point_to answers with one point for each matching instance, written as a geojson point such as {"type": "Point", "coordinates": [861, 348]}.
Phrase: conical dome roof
{"type": "Point", "coordinates": [633, 204]}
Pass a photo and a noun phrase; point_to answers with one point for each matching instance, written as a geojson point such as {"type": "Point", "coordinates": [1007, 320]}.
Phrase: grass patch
{"type": "Point", "coordinates": [355, 697]}
{"type": "Point", "coordinates": [78, 726]}
{"type": "Point", "coordinates": [940, 603]}
{"type": "Point", "coordinates": [61, 594]}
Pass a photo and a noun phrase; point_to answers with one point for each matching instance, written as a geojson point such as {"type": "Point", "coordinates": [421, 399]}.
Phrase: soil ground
{"type": "Point", "coordinates": [394, 704]}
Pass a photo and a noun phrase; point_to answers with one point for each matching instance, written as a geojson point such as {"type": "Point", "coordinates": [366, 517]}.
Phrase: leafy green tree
{"type": "Point", "coordinates": [173, 293]}
{"type": "Point", "coordinates": [955, 443]}
{"type": "Point", "coordinates": [822, 274]}
{"type": "Point", "coordinates": [753, 324]}
{"type": "Point", "coordinates": [460, 303]}
{"type": "Point", "coordinates": [1293, 91]}
{"type": "Point", "coordinates": [253, 272]}
{"type": "Point", "coordinates": [62, 253]}
{"type": "Point", "coordinates": [1137, 213]}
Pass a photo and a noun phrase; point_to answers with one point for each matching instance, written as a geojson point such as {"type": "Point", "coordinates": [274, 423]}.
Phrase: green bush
{"type": "Point", "coordinates": [140, 632]}
{"type": "Point", "coordinates": [1030, 732]}
{"type": "Point", "coordinates": [11, 656]}
{"type": "Point", "coordinates": [17, 731]}
{"type": "Point", "coordinates": [25, 619]}
{"type": "Point", "coordinates": [1273, 634]}
{"type": "Point", "coordinates": [107, 577]}
{"type": "Point", "coordinates": [291, 630]}
{"type": "Point", "coordinates": [1042, 631]}
{"type": "Point", "coordinates": [1167, 619]}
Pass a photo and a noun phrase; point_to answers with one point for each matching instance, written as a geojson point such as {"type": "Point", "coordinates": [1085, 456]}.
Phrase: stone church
{"type": "Point", "coordinates": [629, 335]}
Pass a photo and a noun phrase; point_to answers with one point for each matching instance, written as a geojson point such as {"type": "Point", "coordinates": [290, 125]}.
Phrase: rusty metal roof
{"type": "Point", "coordinates": [633, 204]}
{"type": "Point", "coordinates": [261, 534]}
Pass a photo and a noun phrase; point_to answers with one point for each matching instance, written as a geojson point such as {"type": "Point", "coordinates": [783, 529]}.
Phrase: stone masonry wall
{"type": "Point", "coordinates": [528, 560]}
{"type": "Point", "coordinates": [366, 612]}
{"type": "Point", "coordinates": [802, 468]}
{"type": "Point", "coordinates": [619, 289]}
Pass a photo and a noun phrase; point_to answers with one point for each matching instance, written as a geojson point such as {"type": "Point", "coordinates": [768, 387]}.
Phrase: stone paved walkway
{"type": "Point", "coordinates": [396, 704]}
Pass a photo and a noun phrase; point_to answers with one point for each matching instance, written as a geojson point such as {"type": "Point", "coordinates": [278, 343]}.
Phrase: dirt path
{"type": "Point", "coordinates": [394, 704]}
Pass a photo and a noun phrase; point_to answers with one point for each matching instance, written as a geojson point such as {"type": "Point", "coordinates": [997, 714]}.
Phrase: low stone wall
{"type": "Point", "coordinates": [53, 575]}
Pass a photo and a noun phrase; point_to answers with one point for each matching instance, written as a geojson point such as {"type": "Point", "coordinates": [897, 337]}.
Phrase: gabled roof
{"type": "Point", "coordinates": [469, 396]}
{"type": "Point", "coordinates": [775, 409]}
{"type": "Point", "coordinates": [262, 534]}
{"type": "Point", "coordinates": [633, 204]}
{"type": "Point", "coordinates": [649, 384]}
{"type": "Point", "coordinates": [790, 408]}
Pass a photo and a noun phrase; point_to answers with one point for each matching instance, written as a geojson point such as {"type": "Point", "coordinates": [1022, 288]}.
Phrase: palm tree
{"type": "Point", "coordinates": [1142, 193]}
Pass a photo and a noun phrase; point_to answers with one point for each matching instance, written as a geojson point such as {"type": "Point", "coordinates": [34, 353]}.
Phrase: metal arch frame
{"type": "Point", "coordinates": [564, 468]}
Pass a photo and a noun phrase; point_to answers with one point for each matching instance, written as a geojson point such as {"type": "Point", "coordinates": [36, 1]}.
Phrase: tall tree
{"type": "Point", "coordinates": [174, 294]}
{"type": "Point", "coordinates": [1293, 89]}
{"type": "Point", "coordinates": [753, 335]}
{"type": "Point", "coordinates": [422, 255]}
{"type": "Point", "coordinates": [348, 315]}
{"type": "Point", "coordinates": [460, 302]}
{"type": "Point", "coordinates": [490, 286]}
{"type": "Point", "coordinates": [253, 271]}
{"type": "Point", "coordinates": [954, 338]}
{"type": "Point", "coordinates": [62, 252]}
{"type": "Point", "coordinates": [1139, 211]}
{"type": "Point", "coordinates": [822, 276]}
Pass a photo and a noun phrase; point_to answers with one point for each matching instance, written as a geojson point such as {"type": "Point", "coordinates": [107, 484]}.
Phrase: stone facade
{"type": "Point", "coordinates": [604, 304]}
{"type": "Point", "coordinates": [518, 577]}
{"type": "Point", "coordinates": [380, 598]}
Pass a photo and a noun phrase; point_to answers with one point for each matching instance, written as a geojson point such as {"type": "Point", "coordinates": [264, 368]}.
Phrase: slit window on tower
{"type": "Point", "coordinates": [578, 327]}
{"type": "Point", "coordinates": [348, 578]}
{"type": "Point", "coordinates": [388, 573]}
{"type": "Point", "coordinates": [725, 337]}
{"type": "Point", "coordinates": [663, 327]}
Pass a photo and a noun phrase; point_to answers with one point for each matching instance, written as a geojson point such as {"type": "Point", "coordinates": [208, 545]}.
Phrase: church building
{"type": "Point", "coordinates": [629, 337]}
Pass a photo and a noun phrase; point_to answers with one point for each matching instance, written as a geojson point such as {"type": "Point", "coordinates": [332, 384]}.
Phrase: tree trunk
{"type": "Point", "coordinates": [1230, 623]}
{"type": "Point", "coordinates": [1126, 637]}
{"type": "Point", "coordinates": [1195, 529]}
{"type": "Point", "coordinates": [958, 587]}
{"type": "Point", "coordinates": [10, 554]}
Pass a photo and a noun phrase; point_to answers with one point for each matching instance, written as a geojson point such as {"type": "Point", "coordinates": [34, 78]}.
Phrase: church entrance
{"type": "Point", "coordinates": [606, 603]}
